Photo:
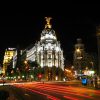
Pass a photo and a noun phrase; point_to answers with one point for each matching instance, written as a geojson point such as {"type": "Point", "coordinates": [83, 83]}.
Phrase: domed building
{"type": "Point", "coordinates": [47, 52]}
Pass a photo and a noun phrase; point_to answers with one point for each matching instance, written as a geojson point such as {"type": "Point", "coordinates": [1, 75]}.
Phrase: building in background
{"type": "Point", "coordinates": [47, 51]}
{"type": "Point", "coordinates": [84, 63]}
{"type": "Point", "coordinates": [9, 53]}
{"type": "Point", "coordinates": [46, 56]}
{"type": "Point", "coordinates": [14, 59]}
{"type": "Point", "coordinates": [79, 54]}
{"type": "Point", "coordinates": [1, 71]}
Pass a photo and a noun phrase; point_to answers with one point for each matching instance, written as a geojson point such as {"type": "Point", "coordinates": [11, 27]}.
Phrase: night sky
{"type": "Point", "coordinates": [21, 28]}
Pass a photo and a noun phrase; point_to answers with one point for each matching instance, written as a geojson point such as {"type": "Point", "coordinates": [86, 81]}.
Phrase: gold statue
{"type": "Point", "coordinates": [48, 25]}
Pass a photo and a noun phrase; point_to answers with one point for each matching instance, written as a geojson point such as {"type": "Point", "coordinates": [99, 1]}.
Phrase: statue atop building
{"type": "Point", "coordinates": [48, 25]}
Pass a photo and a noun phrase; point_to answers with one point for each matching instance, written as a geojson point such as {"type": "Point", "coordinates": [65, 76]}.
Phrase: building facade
{"type": "Point", "coordinates": [79, 54]}
{"type": "Point", "coordinates": [9, 53]}
{"type": "Point", "coordinates": [84, 63]}
{"type": "Point", "coordinates": [14, 59]}
{"type": "Point", "coordinates": [47, 51]}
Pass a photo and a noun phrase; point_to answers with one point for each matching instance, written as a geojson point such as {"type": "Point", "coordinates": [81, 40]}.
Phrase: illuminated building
{"type": "Point", "coordinates": [79, 54]}
{"type": "Point", "coordinates": [0, 70]}
{"type": "Point", "coordinates": [79, 49]}
{"type": "Point", "coordinates": [14, 59]}
{"type": "Point", "coordinates": [83, 61]}
{"type": "Point", "coordinates": [9, 53]}
{"type": "Point", "coordinates": [47, 51]}
{"type": "Point", "coordinates": [18, 57]}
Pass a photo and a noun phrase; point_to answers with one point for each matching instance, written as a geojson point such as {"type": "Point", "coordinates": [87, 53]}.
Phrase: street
{"type": "Point", "coordinates": [49, 91]}
{"type": "Point", "coordinates": [20, 94]}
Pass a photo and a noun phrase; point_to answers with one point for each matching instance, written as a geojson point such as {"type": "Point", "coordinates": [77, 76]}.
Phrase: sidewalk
{"type": "Point", "coordinates": [92, 87]}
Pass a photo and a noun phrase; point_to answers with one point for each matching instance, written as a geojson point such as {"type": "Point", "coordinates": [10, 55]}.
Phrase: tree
{"type": "Point", "coordinates": [33, 63]}
{"type": "Point", "coordinates": [8, 71]}
{"type": "Point", "coordinates": [36, 72]}
{"type": "Point", "coordinates": [34, 68]}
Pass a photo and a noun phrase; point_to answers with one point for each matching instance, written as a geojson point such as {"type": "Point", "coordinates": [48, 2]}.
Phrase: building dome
{"type": "Point", "coordinates": [48, 35]}
{"type": "Point", "coordinates": [47, 51]}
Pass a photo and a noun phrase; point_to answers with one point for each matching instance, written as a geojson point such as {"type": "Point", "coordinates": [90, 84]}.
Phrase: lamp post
{"type": "Point", "coordinates": [26, 68]}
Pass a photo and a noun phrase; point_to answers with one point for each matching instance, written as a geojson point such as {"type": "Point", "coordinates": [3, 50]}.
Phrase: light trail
{"type": "Point", "coordinates": [58, 91]}
{"type": "Point", "coordinates": [63, 91]}
{"type": "Point", "coordinates": [70, 98]}
{"type": "Point", "coordinates": [49, 96]}
{"type": "Point", "coordinates": [76, 89]}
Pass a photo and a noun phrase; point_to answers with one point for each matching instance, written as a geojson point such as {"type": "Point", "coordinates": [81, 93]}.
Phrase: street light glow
{"type": "Point", "coordinates": [25, 61]}
{"type": "Point", "coordinates": [78, 50]}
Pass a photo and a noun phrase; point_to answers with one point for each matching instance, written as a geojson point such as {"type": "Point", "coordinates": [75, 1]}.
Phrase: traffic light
{"type": "Point", "coordinates": [39, 75]}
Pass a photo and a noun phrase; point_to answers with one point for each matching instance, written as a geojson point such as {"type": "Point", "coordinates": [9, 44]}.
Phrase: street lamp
{"type": "Point", "coordinates": [26, 69]}
{"type": "Point", "coordinates": [25, 61]}
{"type": "Point", "coordinates": [78, 50]}
{"type": "Point", "coordinates": [78, 53]}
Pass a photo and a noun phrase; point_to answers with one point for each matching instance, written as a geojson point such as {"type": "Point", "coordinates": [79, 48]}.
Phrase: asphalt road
{"type": "Point", "coordinates": [56, 92]}
{"type": "Point", "coordinates": [19, 94]}
{"type": "Point", "coordinates": [48, 91]}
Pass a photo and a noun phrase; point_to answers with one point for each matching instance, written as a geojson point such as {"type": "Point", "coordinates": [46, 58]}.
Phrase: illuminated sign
{"type": "Point", "coordinates": [11, 48]}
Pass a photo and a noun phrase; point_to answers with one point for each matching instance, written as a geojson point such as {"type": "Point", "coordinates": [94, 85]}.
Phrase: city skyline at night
{"type": "Point", "coordinates": [50, 51]}
{"type": "Point", "coordinates": [22, 29]}
{"type": "Point", "coordinates": [67, 34]}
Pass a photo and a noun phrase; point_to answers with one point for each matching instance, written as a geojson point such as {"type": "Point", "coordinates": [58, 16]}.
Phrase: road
{"type": "Point", "coordinates": [40, 91]}
{"type": "Point", "coordinates": [19, 94]}
{"type": "Point", "coordinates": [49, 91]}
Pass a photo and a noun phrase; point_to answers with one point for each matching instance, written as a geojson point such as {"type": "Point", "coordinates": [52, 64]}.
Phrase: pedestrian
{"type": "Point", "coordinates": [88, 81]}
{"type": "Point", "coordinates": [3, 82]}
{"type": "Point", "coordinates": [95, 82]}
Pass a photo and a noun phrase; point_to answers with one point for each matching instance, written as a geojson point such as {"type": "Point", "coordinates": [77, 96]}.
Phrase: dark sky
{"type": "Point", "coordinates": [23, 27]}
